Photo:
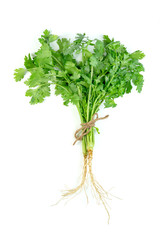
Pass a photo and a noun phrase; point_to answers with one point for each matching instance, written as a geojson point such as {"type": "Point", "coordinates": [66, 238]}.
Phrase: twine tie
{"type": "Point", "coordinates": [82, 131]}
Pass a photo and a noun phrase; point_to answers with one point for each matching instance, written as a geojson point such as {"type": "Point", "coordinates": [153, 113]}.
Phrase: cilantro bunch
{"type": "Point", "coordinates": [85, 72]}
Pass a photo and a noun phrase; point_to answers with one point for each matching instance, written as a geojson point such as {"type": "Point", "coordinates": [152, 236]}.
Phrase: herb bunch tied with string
{"type": "Point", "coordinates": [86, 73]}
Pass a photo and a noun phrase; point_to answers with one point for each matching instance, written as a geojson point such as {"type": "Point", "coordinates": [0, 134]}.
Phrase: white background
{"type": "Point", "coordinates": [37, 159]}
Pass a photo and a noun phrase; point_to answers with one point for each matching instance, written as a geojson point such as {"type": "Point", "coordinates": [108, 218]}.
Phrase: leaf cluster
{"type": "Point", "coordinates": [84, 72]}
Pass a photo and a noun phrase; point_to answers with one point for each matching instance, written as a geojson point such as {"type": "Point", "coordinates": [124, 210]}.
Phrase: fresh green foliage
{"type": "Point", "coordinates": [19, 74]}
{"type": "Point", "coordinates": [86, 73]}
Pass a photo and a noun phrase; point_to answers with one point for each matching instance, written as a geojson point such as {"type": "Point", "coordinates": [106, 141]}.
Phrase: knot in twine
{"type": "Point", "coordinates": [81, 132]}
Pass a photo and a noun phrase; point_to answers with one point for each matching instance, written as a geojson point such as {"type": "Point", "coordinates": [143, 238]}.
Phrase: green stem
{"type": "Point", "coordinates": [102, 75]}
{"type": "Point", "coordinates": [98, 101]}
{"type": "Point", "coordinates": [102, 97]}
{"type": "Point", "coordinates": [89, 94]}
{"type": "Point", "coordinates": [58, 62]}
{"type": "Point", "coordinates": [82, 57]}
{"type": "Point", "coordinates": [62, 68]}
{"type": "Point", "coordinates": [90, 135]}
{"type": "Point", "coordinates": [84, 144]}
{"type": "Point", "coordinates": [62, 87]}
{"type": "Point", "coordinates": [94, 104]}
{"type": "Point", "coordinates": [109, 81]}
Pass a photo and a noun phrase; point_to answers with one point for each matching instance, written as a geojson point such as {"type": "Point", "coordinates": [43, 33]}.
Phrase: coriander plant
{"type": "Point", "coordinates": [86, 73]}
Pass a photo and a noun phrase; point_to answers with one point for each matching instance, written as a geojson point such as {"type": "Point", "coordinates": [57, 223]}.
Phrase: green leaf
{"type": "Point", "coordinates": [73, 87]}
{"type": "Point", "coordinates": [46, 34]}
{"type": "Point", "coordinates": [106, 39]}
{"type": "Point", "coordinates": [73, 70]}
{"type": "Point", "coordinates": [37, 77]}
{"type": "Point", "coordinates": [38, 95]}
{"type": "Point", "coordinates": [138, 82]}
{"type": "Point", "coordinates": [79, 37]}
{"type": "Point", "coordinates": [99, 48]}
{"type": "Point", "coordinates": [47, 37]}
{"type": "Point", "coordinates": [63, 44]}
{"type": "Point", "coordinates": [109, 103]}
{"type": "Point", "coordinates": [69, 66]}
{"type": "Point", "coordinates": [87, 53]}
{"type": "Point", "coordinates": [52, 38]}
{"type": "Point", "coordinates": [28, 62]}
{"type": "Point", "coordinates": [75, 99]}
{"type": "Point", "coordinates": [65, 93]}
{"type": "Point", "coordinates": [137, 55]}
{"type": "Point", "coordinates": [97, 129]}
{"type": "Point", "coordinates": [43, 56]}
{"type": "Point", "coordinates": [93, 61]}
{"type": "Point", "coordinates": [76, 46]}
{"type": "Point", "coordinates": [19, 74]}
{"type": "Point", "coordinates": [99, 87]}
{"type": "Point", "coordinates": [86, 78]}
{"type": "Point", "coordinates": [51, 76]}
{"type": "Point", "coordinates": [128, 87]}
{"type": "Point", "coordinates": [82, 83]}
